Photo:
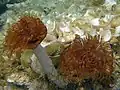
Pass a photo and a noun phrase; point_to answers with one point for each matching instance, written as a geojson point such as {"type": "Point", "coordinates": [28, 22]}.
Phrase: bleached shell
{"type": "Point", "coordinates": [110, 2]}
{"type": "Point", "coordinates": [50, 26]}
{"type": "Point", "coordinates": [95, 22]}
{"type": "Point", "coordinates": [117, 31]}
{"type": "Point", "coordinates": [50, 37]}
{"type": "Point", "coordinates": [78, 31]}
{"type": "Point", "coordinates": [64, 27]}
{"type": "Point", "coordinates": [93, 32]}
{"type": "Point", "coordinates": [66, 38]}
{"type": "Point", "coordinates": [105, 34]}
{"type": "Point", "coordinates": [19, 78]}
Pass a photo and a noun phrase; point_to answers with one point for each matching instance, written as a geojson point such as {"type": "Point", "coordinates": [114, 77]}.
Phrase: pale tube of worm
{"type": "Point", "coordinates": [48, 66]}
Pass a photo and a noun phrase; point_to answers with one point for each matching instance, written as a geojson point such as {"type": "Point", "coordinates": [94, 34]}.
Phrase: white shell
{"type": "Point", "coordinates": [110, 2]}
{"type": "Point", "coordinates": [93, 32]}
{"type": "Point", "coordinates": [95, 22]}
{"type": "Point", "coordinates": [64, 27]}
{"type": "Point", "coordinates": [117, 31]}
{"type": "Point", "coordinates": [78, 31]}
{"type": "Point", "coordinates": [105, 34]}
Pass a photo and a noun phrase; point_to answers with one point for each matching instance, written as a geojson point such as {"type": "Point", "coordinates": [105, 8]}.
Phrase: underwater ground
{"type": "Point", "coordinates": [59, 44]}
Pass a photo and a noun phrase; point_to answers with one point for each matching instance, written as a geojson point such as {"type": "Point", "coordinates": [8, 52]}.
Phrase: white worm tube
{"type": "Point", "coordinates": [48, 66]}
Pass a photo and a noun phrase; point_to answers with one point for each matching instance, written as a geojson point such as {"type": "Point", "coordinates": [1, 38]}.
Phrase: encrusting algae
{"type": "Point", "coordinates": [86, 58]}
{"type": "Point", "coordinates": [27, 33]}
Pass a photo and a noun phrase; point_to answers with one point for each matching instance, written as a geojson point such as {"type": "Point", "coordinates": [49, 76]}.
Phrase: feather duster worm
{"type": "Point", "coordinates": [27, 33]}
{"type": "Point", "coordinates": [86, 58]}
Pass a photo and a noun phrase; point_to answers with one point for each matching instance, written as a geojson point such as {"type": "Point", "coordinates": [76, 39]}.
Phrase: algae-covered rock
{"type": "Point", "coordinates": [25, 58]}
{"type": "Point", "coordinates": [54, 50]}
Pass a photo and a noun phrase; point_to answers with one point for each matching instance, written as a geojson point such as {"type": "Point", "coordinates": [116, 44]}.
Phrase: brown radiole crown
{"type": "Point", "coordinates": [26, 33]}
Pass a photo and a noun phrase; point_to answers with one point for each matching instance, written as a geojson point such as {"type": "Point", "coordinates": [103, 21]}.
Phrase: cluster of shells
{"type": "Point", "coordinates": [107, 28]}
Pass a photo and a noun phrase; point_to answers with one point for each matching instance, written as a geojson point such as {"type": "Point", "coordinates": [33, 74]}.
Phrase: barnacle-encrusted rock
{"type": "Point", "coordinates": [85, 58]}
{"type": "Point", "coordinates": [27, 33]}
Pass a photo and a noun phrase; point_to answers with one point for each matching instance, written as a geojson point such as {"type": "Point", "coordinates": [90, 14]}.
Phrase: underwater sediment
{"type": "Point", "coordinates": [78, 40]}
